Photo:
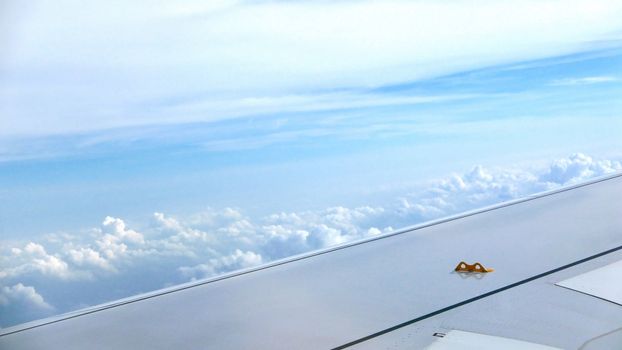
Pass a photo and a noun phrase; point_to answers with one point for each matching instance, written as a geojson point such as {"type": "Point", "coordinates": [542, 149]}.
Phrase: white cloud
{"type": "Point", "coordinates": [33, 258]}
{"type": "Point", "coordinates": [85, 256]}
{"type": "Point", "coordinates": [235, 261]}
{"type": "Point", "coordinates": [584, 81]}
{"type": "Point", "coordinates": [112, 64]}
{"type": "Point", "coordinates": [577, 168]}
{"type": "Point", "coordinates": [482, 187]}
{"type": "Point", "coordinates": [25, 295]}
{"type": "Point", "coordinates": [34, 249]}
{"type": "Point", "coordinates": [176, 231]}
{"type": "Point", "coordinates": [116, 227]}
{"type": "Point", "coordinates": [22, 303]}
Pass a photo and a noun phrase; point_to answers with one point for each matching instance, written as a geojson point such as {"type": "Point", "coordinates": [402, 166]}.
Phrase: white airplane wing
{"type": "Point", "coordinates": [557, 283]}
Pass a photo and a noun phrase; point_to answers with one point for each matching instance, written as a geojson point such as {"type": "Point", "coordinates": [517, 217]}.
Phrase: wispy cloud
{"type": "Point", "coordinates": [584, 81]}
{"type": "Point", "coordinates": [69, 68]}
{"type": "Point", "coordinates": [299, 103]}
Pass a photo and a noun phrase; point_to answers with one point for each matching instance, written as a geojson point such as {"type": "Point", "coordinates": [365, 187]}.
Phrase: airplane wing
{"type": "Point", "coordinates": [557, 283]}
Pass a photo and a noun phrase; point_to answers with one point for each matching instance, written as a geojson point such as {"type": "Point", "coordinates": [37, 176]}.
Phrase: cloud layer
{"type": "Point", "coordinates": [170, 250]}
{"type": "Point", "coordinates": [116, 64]}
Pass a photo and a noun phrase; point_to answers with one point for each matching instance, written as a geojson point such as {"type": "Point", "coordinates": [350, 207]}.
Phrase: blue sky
{"type": "Point", "coordinates": [295, 160]}
{"type": "Point", "coordinates": [146, 147]}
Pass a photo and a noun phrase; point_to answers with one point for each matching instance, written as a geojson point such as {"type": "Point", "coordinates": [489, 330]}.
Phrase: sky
{"type": "Point", "coordinates": [148, 144]}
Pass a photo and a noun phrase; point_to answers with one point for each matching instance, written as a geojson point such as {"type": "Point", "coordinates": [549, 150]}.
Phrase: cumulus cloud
{"type": "Point", "coordinates": [116, 228]}
{"type": "Point", "coordinates": [20, 293]}
{"type": "Point", "coordinates": [33, 258]}
{"type": "Point", "coordinates": [236, 261]}
{"type": "Point", "coordinates": [482, 187]}
{"type": "Point", "coordinates": [577, 168]}
{"type": "Point", "coordinates": [21, 303]}
{"type": "Point", "coordinates": [84, 256]}
{"type": "Point", "coordinates": [217, 241]}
